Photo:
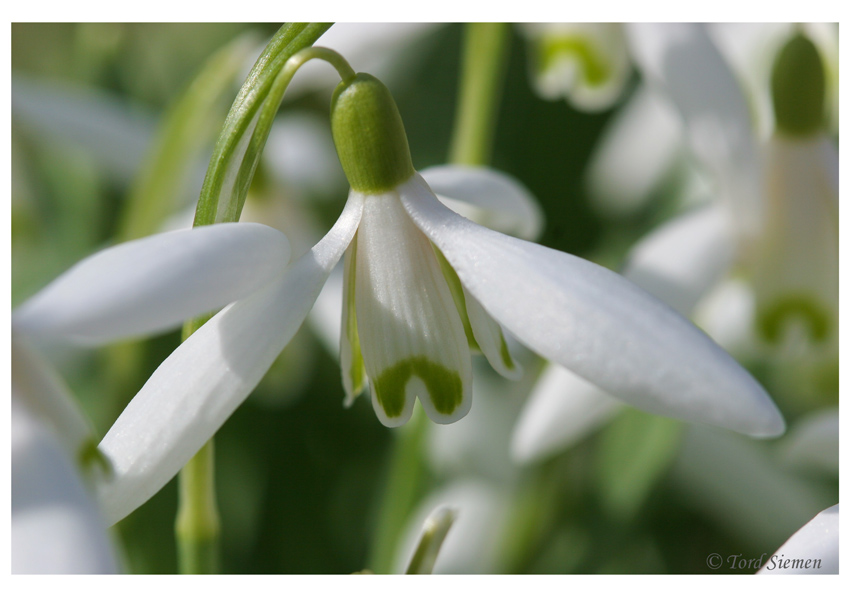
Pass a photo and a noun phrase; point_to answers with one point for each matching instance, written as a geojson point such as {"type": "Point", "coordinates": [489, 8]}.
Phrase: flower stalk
{"type": "Point", "coordinates": [197, 526]}
{"type": "Point", "coordinates": [485, 52]}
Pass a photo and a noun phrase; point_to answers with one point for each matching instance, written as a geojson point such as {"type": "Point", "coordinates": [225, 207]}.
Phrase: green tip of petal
{"type": "Point", "coordinates": [773, 319]}
{"type": "Point", "coordinates": [798, 85]}
{"type": "Point", "coordinates": [445, 387]}
{"type": "Point", "coordinates": [369, 135]}
{"type": "Point", "coordinates": [89, 456]}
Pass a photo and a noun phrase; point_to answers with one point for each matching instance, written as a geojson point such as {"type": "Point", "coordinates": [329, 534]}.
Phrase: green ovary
{"type": "Point", "coordinates": [445, 387]}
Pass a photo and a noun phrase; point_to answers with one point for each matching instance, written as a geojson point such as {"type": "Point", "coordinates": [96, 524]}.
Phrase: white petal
{"type": "Point", "coordinates": [487, 197]}
{"type": "Point", "coordinates": [596, 323]}
{"type": "Point", "coordinates": [196, 389]}
{"type": "Point", "coordinates": [812, 443]}
{"type": "Point", "coordinates": [153, 284]}
{"type": "Point", "coordinates": [561, 410]}
{"type": "Point", "coordinates": [491, 339]}
{"type": "Point", "coordinates": [635, 153]}
{"type": "Point", "coordinates": [682, 260]}
{"type": "Point", "coordinates": [811, 550]}
{"type": "Point", "coordinates": [682, 60]}
{"type": "Point", "coordinates": [56, 527]}
{"type": "Point", "coordinates": [411, 334]}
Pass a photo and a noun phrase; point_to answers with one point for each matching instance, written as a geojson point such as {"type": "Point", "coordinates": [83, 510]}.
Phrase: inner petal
{"type": "Point", "coordinates": [411, 335]}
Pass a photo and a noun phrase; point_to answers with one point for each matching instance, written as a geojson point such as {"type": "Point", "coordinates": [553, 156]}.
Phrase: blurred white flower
{"type": "Point", "coordinates": [811, 550]}
{"type": "Point", "coordinates": [585, 63]}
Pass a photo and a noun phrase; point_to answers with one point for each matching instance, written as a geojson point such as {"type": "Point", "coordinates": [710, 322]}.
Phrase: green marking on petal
{"type": "Point", "coordinates": [458, 296]}
{"type": "Point", "coordinates": [505, 353]}
{"type": "Point", "coordinates": [595, 68]}
{"type": "Point", "coordinates": [356, 368]}
{"type": "Point", "coordinates": [445, 387]}
{"type": "Point", "coordinates": [771, 321]}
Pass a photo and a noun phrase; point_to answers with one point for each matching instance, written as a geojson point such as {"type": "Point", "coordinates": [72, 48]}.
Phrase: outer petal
{"type": "Point", "coordinates": [487, 197]}
{"type": "Point", "coordinates": [682, 60]}
{"type": "Point", "coordinates": [411, 334]}
{"type": "Point", "coordinates": [637, 150]}
{"type": "Point", "coordinates": [682, 260]}
{"type": "Point", "coordinates": [153, 284]}
{"type": "Point", "coordinates": [561, 410]}
{"type": "Point", "coordinates": [196, 389]}
{"type": "Point", "coordinates": [811, 550]}
{"type": "Point", "coordinates": [56, 528]}
{"type": "Point", "coordinates": [596, 323]}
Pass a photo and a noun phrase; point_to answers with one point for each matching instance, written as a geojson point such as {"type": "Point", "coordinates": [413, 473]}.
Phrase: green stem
{"type": "Point", "coordinates": [482, 73]}
{"type": "Point", "coordinates": [197, 526]}
{"type": "Point", "coordinates": [290, 39]}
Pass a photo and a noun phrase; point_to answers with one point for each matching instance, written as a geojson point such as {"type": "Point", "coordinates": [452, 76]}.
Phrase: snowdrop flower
{"type": "Point", "coordinates": [585, 63]}
{"type": "Point", "coordinates": [422, 284]}
{"type": "Point", "coordinates": [776, 211]}
{"type": "Point", "coordinates": [811, 550]}
{"type": "Point", "coordinates": [774, 217]}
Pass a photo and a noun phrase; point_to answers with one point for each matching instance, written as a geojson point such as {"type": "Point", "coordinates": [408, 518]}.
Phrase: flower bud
{"type": "Point", "coordinates": [369, 135]}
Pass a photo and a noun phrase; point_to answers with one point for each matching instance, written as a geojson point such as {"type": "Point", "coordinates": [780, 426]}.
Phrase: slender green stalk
{"type": "Point", "coordinates": [197, 526]}
{"type": "Point", "coordinates": [237, 130]}
{"type": "Point", "coordinates": [485, 49]}
{"type": "Point", "coordinates": [228, 178]}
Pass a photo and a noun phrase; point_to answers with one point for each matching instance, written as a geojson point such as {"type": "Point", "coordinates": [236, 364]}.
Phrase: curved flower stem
{"type": "Point", "coordinates": [238, 151]}
{"type": "Point", "coordinates": [485, 50]}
